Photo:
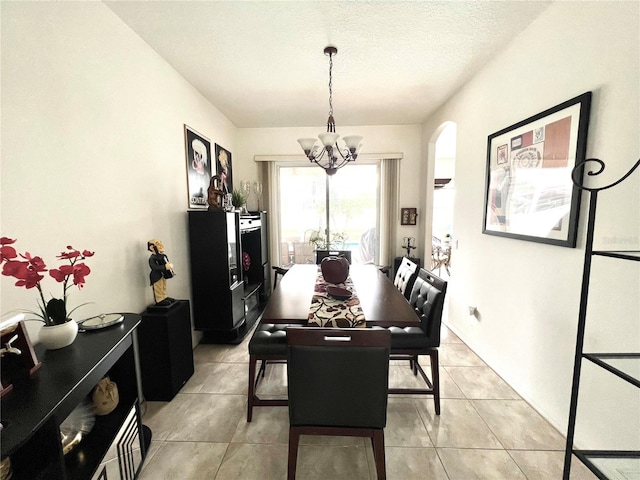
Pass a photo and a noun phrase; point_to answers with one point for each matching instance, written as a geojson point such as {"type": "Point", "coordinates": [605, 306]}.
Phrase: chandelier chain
{"type": "Point", "coordinates": [330, 85]}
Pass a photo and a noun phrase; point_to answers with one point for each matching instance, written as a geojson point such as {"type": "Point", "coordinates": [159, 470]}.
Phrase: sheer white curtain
{"type": "Point", "coordinates": [270, 175]}
{"type": "Point", "coordinates": [389, 193]}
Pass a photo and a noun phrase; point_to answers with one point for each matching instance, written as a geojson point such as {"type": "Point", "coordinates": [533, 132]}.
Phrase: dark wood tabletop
{"type": "Point", "coordinates": [382, 303]}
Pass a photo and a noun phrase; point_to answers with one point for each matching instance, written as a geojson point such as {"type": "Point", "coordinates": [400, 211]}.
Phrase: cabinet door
{"type": "Point", "coordinates": [233, 247]}
{"type": "Point", "coordinates": [214, 248]}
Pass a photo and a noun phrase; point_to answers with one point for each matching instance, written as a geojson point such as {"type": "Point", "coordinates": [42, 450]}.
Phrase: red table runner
{"type": "Point", "coordinates": [327, 311]}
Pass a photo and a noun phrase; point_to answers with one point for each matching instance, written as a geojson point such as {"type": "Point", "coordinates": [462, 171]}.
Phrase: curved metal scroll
{"type": "Point", "coordinates": [577, 178]}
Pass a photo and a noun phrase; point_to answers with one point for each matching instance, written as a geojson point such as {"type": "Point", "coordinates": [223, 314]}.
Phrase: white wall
{"type": "Point", "coordinates": [93, 151]}
{"type": "Point", "coordinates": [403, 139]}
{"type": "Point", "coordinates": [528, 294]}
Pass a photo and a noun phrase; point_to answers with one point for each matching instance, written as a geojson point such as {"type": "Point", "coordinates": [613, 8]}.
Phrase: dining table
{"type": "Point", "coordinates": [301, 298]}
{"type": "Point", "coordinates": [381, 303]}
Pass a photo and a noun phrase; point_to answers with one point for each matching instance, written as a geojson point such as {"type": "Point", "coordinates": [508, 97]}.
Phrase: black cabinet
{"type": "Point", "coordinates": [33, 411]}
{"type": "Point", "coordinates": [254, 243]}
{"type": "Point", "coordinates": [166, 352]}
{"type": "Point", "coordinates": [265, 291]}
{"type": "Point", "coordinates": [217, 286]}
{"type": "Point", "coordinates": [228, 288]}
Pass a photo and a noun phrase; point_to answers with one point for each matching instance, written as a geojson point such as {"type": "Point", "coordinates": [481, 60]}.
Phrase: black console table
{"type": "Point", "coordinates": [32, 412]}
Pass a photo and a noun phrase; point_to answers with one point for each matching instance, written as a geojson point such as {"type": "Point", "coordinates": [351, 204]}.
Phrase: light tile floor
{"type": "Point", "coordinates": [485, 430]}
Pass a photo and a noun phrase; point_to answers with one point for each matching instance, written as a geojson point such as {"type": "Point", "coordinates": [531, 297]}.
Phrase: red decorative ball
{"type": "Point", "coordinates": [335, 269]}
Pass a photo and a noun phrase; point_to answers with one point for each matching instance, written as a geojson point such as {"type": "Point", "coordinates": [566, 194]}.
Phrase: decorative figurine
{"type": "Point", "coordinates": [161, 269]}
{"type": "Point", "coordinates": [215, 193]}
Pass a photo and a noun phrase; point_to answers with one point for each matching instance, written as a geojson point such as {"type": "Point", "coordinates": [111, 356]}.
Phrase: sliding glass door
{"type": "Point", "coordinates": [342, 210]}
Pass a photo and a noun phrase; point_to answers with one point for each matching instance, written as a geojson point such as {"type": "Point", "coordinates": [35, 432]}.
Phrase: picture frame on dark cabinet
{"type": "Point", "coordinates": [224, 168]}
{"type": "Point", "coordinates": [198, 162]}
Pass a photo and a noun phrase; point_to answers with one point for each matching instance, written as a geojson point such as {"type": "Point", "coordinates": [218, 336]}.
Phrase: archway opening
{"type": "Point", "coordinates": [443, 201]}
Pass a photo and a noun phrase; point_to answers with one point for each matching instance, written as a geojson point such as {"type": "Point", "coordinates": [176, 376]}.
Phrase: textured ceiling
{"type": "Point", "coordinates": [261, 63]}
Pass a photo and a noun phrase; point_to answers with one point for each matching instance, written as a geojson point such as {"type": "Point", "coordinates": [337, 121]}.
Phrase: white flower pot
{"type": "Point", "coordinates": [58, 336]}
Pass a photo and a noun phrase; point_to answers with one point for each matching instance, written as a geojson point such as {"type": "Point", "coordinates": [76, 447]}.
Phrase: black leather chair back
{"type": "Point", "coordinates": [427, 300]}
{"type": "Point", "coordinates": [320, 254]}
{"type": "Point", "coordinates": [338, 377]}
{"type": "Point", "coordinates": [405, 277]}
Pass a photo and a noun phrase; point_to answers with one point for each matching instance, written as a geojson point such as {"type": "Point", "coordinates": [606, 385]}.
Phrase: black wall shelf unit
{"type": "Point", "coordinates": [623, 365]}
{"type": "Point", "coordinates": [34, 410]}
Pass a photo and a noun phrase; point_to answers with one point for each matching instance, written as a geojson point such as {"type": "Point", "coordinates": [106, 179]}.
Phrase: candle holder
{"type": "Point", "coordinates": [257, 189]}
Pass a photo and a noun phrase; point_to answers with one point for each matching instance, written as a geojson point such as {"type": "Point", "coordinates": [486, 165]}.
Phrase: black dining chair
{"type": "Point", "coordinates": [427, 300]}
{"type": "Point", "coordinates": [267, 345]}
{"type": "Point", "coordinates": [321, 254]}
{"type": "Point", "coordinates": [279, 271]}
{"type": "Point", "coordinates": [338, 380]}
{"type": "Point", "coordinates": [406, 276]}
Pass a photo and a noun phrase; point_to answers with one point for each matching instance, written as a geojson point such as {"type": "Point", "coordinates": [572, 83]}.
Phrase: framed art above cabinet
{"type": "Point", "coordinates": [198, 162]}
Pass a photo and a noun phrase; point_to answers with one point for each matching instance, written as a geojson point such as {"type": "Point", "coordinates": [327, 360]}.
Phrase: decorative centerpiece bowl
{"type": "Point", "coordinates": [334, 269]}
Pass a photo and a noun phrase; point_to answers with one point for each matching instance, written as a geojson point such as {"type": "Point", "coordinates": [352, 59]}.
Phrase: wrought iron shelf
{"type": "Point", "coordinates": [605, 464]}
{"type": "Point", "coordinates": [623, 365]}
{"type": "Point", "coordinates": [610, 464]}
{"type": "Point", "coordinates": [633, 255]}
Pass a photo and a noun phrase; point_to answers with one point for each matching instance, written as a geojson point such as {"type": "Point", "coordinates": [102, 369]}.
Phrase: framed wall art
{"type": "Point", "coordinates": [529, 194]}
{"type": "Point", "coordinates": [198, 157]}
{"type": "Point", "coordinates": [223, 166]}
{"type": "Point", "coordinates": [408, 216]}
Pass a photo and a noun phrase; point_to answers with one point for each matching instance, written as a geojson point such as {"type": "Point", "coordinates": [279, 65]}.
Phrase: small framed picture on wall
{"type": "Point", "coordinates": [408, 216]}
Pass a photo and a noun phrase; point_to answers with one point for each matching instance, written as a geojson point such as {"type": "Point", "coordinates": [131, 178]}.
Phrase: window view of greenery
{"type": "Point", "coordinates": [352, 206]}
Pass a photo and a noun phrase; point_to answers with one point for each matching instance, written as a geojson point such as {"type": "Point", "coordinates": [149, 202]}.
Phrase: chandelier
{"type": "Point", "coordinates": [331, 157]}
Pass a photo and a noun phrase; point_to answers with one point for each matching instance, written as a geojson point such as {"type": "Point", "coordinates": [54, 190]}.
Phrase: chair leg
{"type": "Point", "coordinates": [378, 453]}
{"type": "Point", "coordinates": [294, 438]}
{"type": "Point", "coordinates": [435, 376]}
{"type": "Point", "coordinates": [251, 390]}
